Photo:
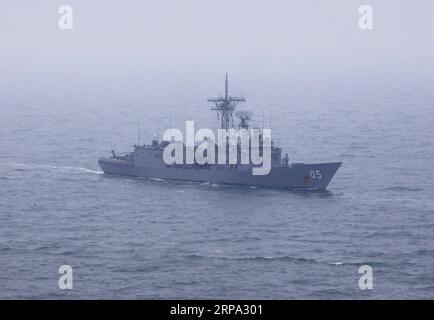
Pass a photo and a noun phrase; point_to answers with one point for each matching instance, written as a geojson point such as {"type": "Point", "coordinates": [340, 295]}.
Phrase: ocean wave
{"type": "Point", "coordinates": [332, 294]}
{"type": "Point", "coordinates": [279, 258]}
{"type": "Point", "coordinates": [429, 252]}
{"type": "Point", "coordinates": [403, 189]}
{"type": "Point", "coordinates": [347, 155]}
{"type": "Point", "coordinates": [254, 258]}
{"type": "Point", "coordinates": [136, 269]}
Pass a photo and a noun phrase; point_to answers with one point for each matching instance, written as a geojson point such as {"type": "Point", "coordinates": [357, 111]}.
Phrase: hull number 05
{"type": "Point", "coordinates": [315, 174]}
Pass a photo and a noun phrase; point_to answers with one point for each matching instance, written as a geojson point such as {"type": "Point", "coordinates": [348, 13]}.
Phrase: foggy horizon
{"type": "Point", "coordinates": [201, 38]}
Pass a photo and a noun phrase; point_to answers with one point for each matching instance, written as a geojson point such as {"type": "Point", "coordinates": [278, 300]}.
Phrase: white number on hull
{"type": "Point", "coordinates": [315, 174]}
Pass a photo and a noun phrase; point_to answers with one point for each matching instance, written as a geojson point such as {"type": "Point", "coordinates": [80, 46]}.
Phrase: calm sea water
{"type": "Point", "coordinates": [145, 238]}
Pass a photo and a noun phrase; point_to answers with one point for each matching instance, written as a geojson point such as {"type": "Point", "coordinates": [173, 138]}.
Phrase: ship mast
{"type": "Point", "coordinates": [225, 107]}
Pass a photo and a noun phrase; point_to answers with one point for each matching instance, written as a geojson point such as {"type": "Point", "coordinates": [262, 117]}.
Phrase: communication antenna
{"type": "Point", "coordinates": [138, 132]}
{"type": "Point", "coordinates": [158, 129]}
{"type": "Point", "coordinates": [269, 119]}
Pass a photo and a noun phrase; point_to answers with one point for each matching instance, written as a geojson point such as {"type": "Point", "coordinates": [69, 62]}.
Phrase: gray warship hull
{"type": "Point", "coordinates": [294, 176]}
{"type": "Point", "coordinates": [147, 160]}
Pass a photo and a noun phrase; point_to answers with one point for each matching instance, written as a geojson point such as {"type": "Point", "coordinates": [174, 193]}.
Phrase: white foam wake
{"type": "Point", "coordinates": [156, 179]}
{"type": "Point", "coordinates": [83, 169]}
{"type": "Point", "coordinates": [52, 167]}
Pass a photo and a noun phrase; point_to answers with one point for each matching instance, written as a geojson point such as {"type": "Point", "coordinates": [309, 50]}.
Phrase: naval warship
{"type": "Point", "coordinates": [147, 160]}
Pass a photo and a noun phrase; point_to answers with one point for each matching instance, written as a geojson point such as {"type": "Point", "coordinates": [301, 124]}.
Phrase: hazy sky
{"type": "Point", "coordinates": [242, 36]}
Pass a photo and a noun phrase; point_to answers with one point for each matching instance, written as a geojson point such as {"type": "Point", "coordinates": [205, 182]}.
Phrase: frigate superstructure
{"type": "Point", "coordinates": [147, 160]}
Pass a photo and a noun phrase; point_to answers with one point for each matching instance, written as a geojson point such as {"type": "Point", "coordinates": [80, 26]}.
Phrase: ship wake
{"type": "Point", "coordinates": [66, 169]}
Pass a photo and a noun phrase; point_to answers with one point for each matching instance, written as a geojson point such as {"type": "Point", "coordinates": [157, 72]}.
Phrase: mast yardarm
{"type": "Point", "coordinates": [225, 107]}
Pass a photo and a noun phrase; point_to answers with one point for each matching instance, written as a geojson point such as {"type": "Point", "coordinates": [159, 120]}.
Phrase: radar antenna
{"type": "Point", "coordinates": [225, 107]}
{"type": "Point", "coordinates": [244, 117]}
